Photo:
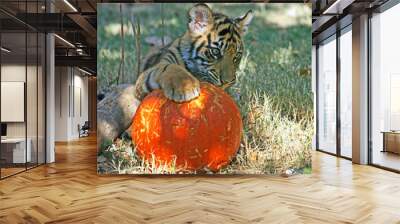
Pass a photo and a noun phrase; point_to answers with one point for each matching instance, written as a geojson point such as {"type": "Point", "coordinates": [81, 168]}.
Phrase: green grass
{"type": "Point", "coordinates": [273, 91]}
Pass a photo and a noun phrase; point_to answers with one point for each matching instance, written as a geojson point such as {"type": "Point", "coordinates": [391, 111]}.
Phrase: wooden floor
{"type": "Point", "coordinates": [5, 172]}
{"type": "Point", "coordinates": [70, 191]}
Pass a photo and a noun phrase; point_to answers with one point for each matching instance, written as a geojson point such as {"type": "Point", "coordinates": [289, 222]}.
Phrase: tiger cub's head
{"type": "Point", "coordinates": [216, 45]}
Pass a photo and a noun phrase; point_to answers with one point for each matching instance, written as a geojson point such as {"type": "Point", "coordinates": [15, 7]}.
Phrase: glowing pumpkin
{"type": "Point", "coordinates": [200, 134]}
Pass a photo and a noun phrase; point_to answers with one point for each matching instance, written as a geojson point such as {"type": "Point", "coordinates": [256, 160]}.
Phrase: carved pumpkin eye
{"type": "Point", "coordinates": [215, 52]}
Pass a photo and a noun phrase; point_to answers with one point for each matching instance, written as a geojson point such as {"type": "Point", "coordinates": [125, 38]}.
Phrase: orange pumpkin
{"type": "Point", "coordinates": [203, 133]}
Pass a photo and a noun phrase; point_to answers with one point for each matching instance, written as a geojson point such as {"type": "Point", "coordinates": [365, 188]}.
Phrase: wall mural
{"type": "Point", "coordinates": [204, 88]}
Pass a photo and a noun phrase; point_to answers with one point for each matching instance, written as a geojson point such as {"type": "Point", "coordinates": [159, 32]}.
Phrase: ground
{"type": "Point", "coordinates": [273, 89]}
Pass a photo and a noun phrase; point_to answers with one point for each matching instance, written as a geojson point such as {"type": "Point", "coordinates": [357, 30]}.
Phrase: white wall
{"type": "Point", "coordinates": [71, 87]}
{"type": "Point", "coordinates": [33, 126]}
{"type": "Point", "coordinates": [12, 73]}
{"type": "Point", "coordinates": [17, 73]}
{"type": "Point", "coordinates": [80, 94]}
{"type": "Point", "coordinates": [61, 103]}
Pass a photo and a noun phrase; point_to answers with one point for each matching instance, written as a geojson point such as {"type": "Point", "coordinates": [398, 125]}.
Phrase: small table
{"type": "Point", "coordinates": [391, 141]}
{"type": "Point", "coordinates": [13, 150]}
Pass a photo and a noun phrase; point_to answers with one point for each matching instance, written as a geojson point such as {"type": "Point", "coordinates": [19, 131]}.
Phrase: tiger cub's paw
{"type": "Point", "coordinates": [181, 87]}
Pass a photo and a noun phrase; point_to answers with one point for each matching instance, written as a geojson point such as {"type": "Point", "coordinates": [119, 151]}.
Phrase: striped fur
{"type": "Point", "coordinates": [209, 51]}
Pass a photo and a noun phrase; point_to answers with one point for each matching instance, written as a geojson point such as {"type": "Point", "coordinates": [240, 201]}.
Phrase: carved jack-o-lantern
{"type": "Point", "coordinates": [203, 133]}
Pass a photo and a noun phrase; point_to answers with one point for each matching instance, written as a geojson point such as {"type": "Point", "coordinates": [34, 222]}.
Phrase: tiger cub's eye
{"type": "Point", "coordinates": [215, 52]}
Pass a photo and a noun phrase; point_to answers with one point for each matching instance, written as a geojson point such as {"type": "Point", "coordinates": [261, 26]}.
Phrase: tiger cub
{"type": "Point", "coordinates": [210, 51]}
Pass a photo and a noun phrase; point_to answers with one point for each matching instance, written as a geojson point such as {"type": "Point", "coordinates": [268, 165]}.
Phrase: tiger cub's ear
{"type": "Point", "coordinates": [200, 19]}
{"type": "Point", "coordinates": [244, 21]}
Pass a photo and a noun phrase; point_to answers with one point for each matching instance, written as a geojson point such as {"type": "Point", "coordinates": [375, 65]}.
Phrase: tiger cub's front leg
{"type": "Point", "coordinates": [175, 81]}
